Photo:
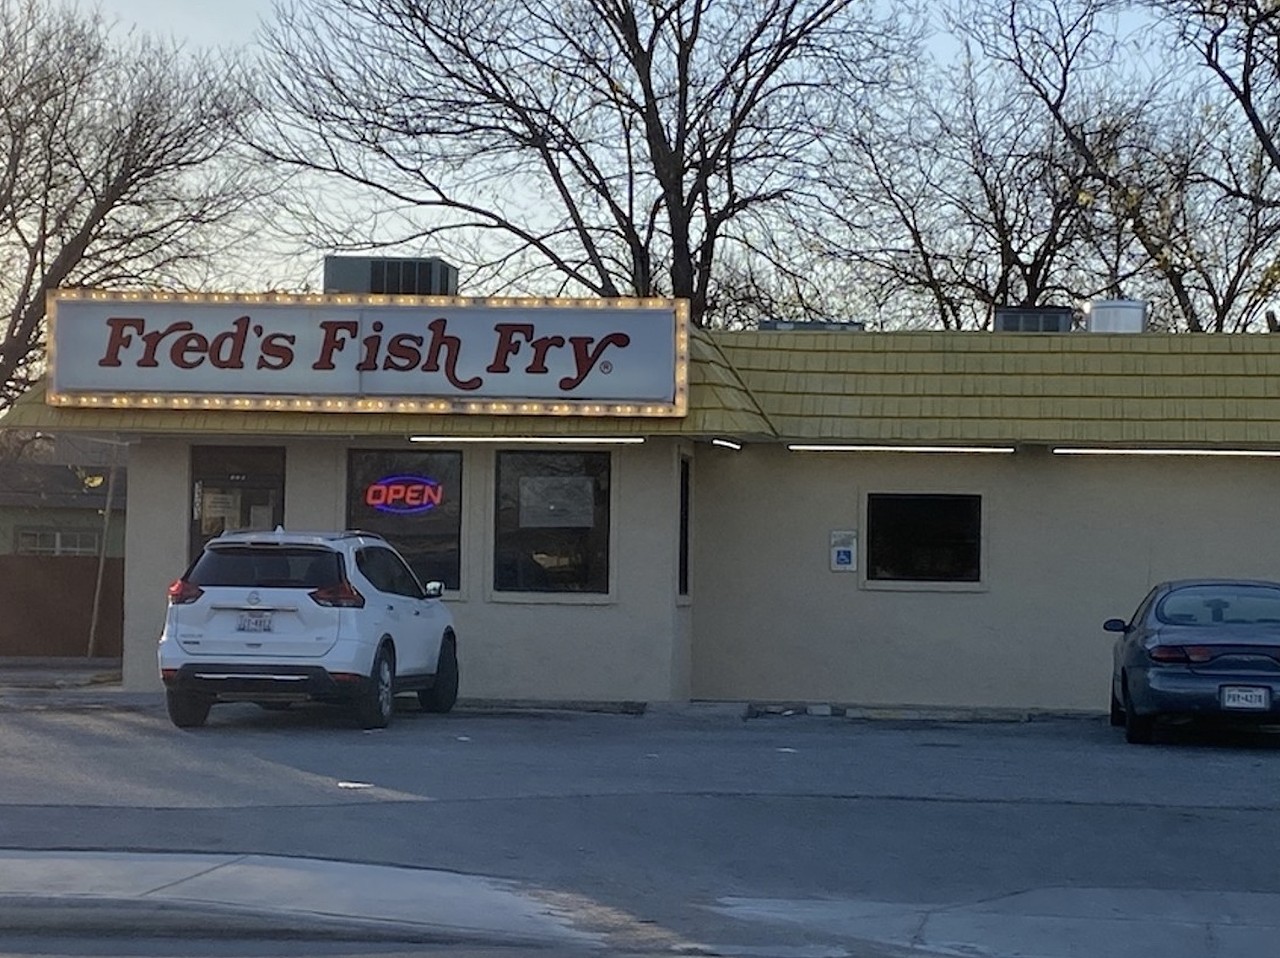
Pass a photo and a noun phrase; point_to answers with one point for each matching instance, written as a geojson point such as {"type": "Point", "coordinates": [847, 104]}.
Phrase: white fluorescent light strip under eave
{"type": "Point", "coordinates": [1099, 451]}
{"type": "Point", "coordinates": [537, 440]}
{"type": "Point", "coordinates": [726, 444]}
{"type": "Point", "coordinates": [810, 447]}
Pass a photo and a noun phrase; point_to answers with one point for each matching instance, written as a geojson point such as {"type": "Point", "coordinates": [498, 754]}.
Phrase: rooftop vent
{"type": "Point", "coordinates": [1034, 319]}
{"type": "Point", "coordinates": [1117, 316]}
{"type": "Point", "coordinates": [820, 326]}
{"type": "Point", "coordinates": [390, 275]}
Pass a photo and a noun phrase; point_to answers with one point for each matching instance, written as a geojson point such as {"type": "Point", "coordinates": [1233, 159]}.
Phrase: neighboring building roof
{"type": "Point", "coordinates": [940, 387]}
{"type": "Point", "coordinates": [51, 485]}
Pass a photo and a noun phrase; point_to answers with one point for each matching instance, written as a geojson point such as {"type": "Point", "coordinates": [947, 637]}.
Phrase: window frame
{"type": "Point", "coordinates": [463, 493]}
{"type": "Point", "coordinates": [981, 584]}
{"type": "Point", "coordinates": [495, 595]}
{"type": "Point", "coordinates": [57, 533]}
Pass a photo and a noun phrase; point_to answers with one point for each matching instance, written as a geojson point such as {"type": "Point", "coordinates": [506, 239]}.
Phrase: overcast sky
{"type": "Point", "coordinates": [193, 22]}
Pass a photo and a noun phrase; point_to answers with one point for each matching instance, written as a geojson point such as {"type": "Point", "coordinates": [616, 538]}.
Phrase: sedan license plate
{"type": "Point", "coordinates": [254, 622]}
{"type": "Point", "coordinates": [1245, 698]}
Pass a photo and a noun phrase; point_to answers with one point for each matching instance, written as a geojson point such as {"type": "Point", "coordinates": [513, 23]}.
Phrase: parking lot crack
{"type": "Point", "coordinates": [238, 859]}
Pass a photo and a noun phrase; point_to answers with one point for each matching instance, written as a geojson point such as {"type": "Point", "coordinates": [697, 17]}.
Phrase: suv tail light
{"type": "Point", "coordinates": [340, 595]}
{"type": "Point", "coordinates": [182, 592]}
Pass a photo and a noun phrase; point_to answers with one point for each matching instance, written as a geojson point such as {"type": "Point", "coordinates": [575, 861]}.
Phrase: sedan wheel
{"type": "Point", "coordinates": [1117, 712]}
{"type": "Point", "coordinates": [378, 701]}
{"type": "Point", "coordinates": [1138, 729]}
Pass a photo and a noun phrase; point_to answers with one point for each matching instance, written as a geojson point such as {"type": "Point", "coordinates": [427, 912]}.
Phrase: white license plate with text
{"type": "Point", "coordinates": [254, 622]}
{"type": "Point", "coordinates": [1247, 698]}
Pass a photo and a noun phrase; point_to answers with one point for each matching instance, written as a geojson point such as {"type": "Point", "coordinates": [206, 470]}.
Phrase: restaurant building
{"type": "Point", "coordinates": [625, 508]}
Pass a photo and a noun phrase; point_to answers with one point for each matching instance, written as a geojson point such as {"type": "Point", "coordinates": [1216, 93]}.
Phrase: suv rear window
{"type": "Point", "coordinates": [275, 567]}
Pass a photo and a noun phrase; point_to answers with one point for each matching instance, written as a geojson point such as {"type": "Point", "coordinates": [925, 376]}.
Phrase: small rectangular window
{"type": "Point", "coordinates": [552, 522]}
{"type": "Point", "coordinates": [924, 538]}
{"type": "Point", "coordinates": [57, 542]}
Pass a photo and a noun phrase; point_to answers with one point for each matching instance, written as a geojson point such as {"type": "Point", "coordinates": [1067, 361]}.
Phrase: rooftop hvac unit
{"type": "Point", "coordinates": [390, 275]}
{"type": "Point", "coordinates": [1117, 316]}
{"type": "Point", "coordinates": [1034, 319]}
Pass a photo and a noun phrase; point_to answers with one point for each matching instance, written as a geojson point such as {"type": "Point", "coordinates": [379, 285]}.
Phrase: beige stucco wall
{"type": "Point", "coordinates": [159, 510]}
{"type": "Point", "coordinates": [1067, 542]}
{"type": "Point", "coordinates": [630, 645]}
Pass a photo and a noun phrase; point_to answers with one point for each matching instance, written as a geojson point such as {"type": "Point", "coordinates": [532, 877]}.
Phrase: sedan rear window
{"type": "Point", "coordinates": [1220, 605]}
{"type": "Point", "coordinates": [276, 568]}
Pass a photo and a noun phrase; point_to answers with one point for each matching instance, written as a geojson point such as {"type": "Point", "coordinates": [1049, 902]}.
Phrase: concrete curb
{"type": "Point", "coordinates": [158, 894]}
{"type": "Point", "coordinates": [105, 917]}
{"type": "Point", "coordinates": [917, 713]}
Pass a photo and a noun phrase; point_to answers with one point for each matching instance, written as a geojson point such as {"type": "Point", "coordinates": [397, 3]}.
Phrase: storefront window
{"type": "Point", "coordinates": [414, 501]}
{"type": "Point", "coordinates": [234, 488]}
{"type": "Point", "coordinates": [552, 525]}
{"type": "Point", "coordinates": [924, 538]}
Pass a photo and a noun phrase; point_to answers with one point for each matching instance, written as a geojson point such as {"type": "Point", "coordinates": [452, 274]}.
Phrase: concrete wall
{"type": "Point", "coordinates": [1067, 542]}
{"type": "Point", "coordinates": [632, 644]}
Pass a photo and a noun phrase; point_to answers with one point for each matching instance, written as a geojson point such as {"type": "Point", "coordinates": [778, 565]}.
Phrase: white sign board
{"type": "Point", "coordinates": [617, 357]}
{"type": "Point", "coordinates": [844, 551]}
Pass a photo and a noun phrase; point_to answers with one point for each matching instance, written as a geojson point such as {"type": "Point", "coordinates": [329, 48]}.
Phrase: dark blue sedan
{"type": "Point", "coordinates": [1197, 648]}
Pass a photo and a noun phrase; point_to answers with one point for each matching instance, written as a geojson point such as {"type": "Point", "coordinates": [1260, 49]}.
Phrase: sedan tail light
{"type": "Point", "coordinates": [340, 595]}
{"type": "Point", "coordinates": [1168, 654]}
{"type": "Point", "coordinates": [182, 592]}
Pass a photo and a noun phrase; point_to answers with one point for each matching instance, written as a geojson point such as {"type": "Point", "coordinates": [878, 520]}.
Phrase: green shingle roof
{"type": "Point", "coordinates": [1032, 387]}
{"type": "Point", "coordinates": [1153, 389]}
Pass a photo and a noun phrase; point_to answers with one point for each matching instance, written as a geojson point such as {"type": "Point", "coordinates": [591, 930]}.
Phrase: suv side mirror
{"type": "Point", "coordinates": [1115, 625]}
{"type": "Point", "coordinates": [433, 589]}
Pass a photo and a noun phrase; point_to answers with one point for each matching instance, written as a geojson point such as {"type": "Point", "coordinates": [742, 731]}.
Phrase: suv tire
{"type": "Point", "coordinates": [377, 702]}
{"type": "Point", "coordinates": [441, 696]}
{"type": "Point", "coordinates": [187, 709]}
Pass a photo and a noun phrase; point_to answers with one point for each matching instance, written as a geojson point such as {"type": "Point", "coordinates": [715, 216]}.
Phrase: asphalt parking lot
{"type": "Point", "coordinates": [696, 827]}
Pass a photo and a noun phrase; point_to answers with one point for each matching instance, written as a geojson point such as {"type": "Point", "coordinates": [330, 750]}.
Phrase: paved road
{"type": "Point", "coordinates": [793, 836]}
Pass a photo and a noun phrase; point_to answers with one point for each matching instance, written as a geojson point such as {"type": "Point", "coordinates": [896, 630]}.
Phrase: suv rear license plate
{"type": "Point", "coordinates": [261, 622]}
{"type": "Point", "coordinates": [1246, 698]}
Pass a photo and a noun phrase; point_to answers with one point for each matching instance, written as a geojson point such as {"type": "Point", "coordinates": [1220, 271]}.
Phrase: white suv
{"type": "Point", "coordinates": [281, 617]}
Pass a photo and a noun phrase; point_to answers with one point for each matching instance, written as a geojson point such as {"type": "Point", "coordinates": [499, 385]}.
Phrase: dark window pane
{"type": "Point", "coordinates": [277, 568]}
{"type": "Point", "coordinates": [414, 501]}
{"type": "Point", "coordinates": [552, 522]}
{"type": "Point", "coordinates": [924, 538]}
{"type": "Point", "coordinates": [684, 527]}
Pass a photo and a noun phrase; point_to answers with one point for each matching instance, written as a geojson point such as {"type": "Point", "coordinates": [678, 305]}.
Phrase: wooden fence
{"type": "Point", "coordinates": [46, 603]}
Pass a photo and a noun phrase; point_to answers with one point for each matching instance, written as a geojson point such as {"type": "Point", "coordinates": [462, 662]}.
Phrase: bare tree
{"type": "Point", "coordinates": [606, 147]}
{"type": "Point", "coordinates": [106, 166]}
{"type": "Point", "coordinates": [961, 198]}
{"type": "Point", "coordinates": [1238, 41]}
{"type": "Point", "coordinates": [1161, 158]}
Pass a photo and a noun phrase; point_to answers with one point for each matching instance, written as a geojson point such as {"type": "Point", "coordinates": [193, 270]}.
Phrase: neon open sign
{"type": "Point", "coordinates": [403, 495]}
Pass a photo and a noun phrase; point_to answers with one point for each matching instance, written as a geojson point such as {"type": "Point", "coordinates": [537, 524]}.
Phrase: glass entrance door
{"type": "Point", "coordinates": [234, 488]}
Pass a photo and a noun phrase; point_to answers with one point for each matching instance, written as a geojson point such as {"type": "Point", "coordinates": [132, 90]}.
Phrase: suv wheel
{"type": "Point", "coordinates": [187, 709]}
{"type": "Point", "coordinates": [377, 702]}
{"type": "Point", "coordinates": [441, 696]}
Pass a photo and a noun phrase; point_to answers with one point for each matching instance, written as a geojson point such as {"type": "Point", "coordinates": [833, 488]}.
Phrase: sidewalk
{"type": "Point", "coordinates": [104, 893]}
{"type": "Point", "coordinates": [36, 684]}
